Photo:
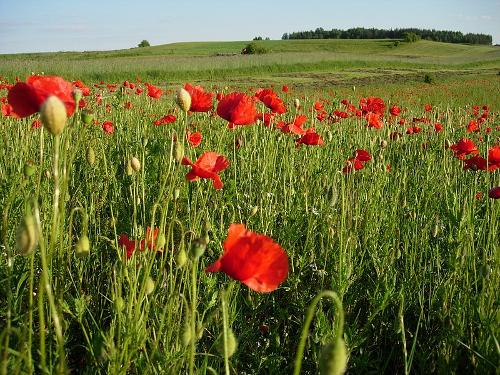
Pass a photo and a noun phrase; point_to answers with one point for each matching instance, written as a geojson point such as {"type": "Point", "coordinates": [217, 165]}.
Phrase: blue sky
{"type": "Point", "coordinates": [75, 25]}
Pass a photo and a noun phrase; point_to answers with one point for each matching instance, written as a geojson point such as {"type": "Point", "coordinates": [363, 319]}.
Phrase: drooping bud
{"type": "Point", "coordinates": [119, 304]}
{"type": "Point", "coordinates": [186, 335]}
{"type": "Point", "coordinates": [254, 210]}
{"type": "Point", "coordinates": [177, 192]}
{"type": "Point", "coordinates": [183, 99]}
{"type": "Point", "coordinates": [198, 247]}
{"type": "Point", "coordinates": [27, 236]}
{"type": "Point", "coordinates": [181, 258]}
{"type": "Point", "coordinates": [82, 247]}
{"type": "Point", "coordinates": [333, 359]}
{"type": "Point", "coordinates": [91, 155]}
{"type": "Point", "coordinates": [53, 115]}
{"type": "Point", "coordinates": [232, 343]}
{"type": "Point", "coordinates": [135, 164]}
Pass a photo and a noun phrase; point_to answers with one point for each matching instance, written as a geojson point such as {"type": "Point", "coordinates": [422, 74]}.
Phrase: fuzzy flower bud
{"type": "Point", "coordinates": [53, 115]}
{"type": "Point", "coordinates": [183, 99]}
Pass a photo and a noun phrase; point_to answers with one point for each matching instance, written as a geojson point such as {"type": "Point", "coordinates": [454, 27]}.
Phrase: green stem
{"type": "Point", "coordinates": [225, 330]}
{"type": "Point", "coordinates": [310, 314]}
{"type": "Point", "coordinates": [194, 277]}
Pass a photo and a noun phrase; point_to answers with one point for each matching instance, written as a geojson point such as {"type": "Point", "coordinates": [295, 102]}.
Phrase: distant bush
{"type": "Point", "coordinates": [257, 38]}
{"type": "Point", "coordinates": [144, 43]}
{"type": "Point", "coordinates": [396, 43]}
{"type": "Point", "coordinates": [428, 79]}
{"type": "Point", "coordinates": [253, 49]}
{"type": "Point", "coordinates": [411, 37]}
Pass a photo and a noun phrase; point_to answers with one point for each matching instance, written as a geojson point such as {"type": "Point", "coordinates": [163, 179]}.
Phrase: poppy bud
{"type": "Point", "coordinates": [135, 164]}
{"type": "Point", "coordinates": [119, 304]}
{"type": "Point", "coordinates": [129, 169]}
{"type": "Point", "coordinates": [183, 99]}
{"type": "Point", "coordinates": [447, 143]}
{"type": "Point", "coordinates": [296, 103]}
{"type": "Point", "coordinates": [161, 241]}
{"type": "Point", "coordinates": [82, 248]}
{"type": "Point", "coordinates": [91, 156]}
{"type": "Point", "coordinates": [333, 359]}
{"type": "Point", "coordinates": [186, 335]}
{"type": "Point", "coordinates": [87, 117]}
{"type": "Point", "coordinates": [232, 343]}
{"type": "Point", "coordinates": [178, 151]}
{"type": "Point", "coordinates": [29, 169]}
{"type": "Point", "coordinates": [354, 88]}
{"type": "Point", "coordinates": [198, 248]}
{"type": "Point", "coordinates": [27, 236]}
{"type": "Point", "coordinates": [254, 211]}
{"type": "Point", "coordinates": [150, 285]}
{"type": "Point", "coordinates": [383, 143]}
{"type": "Point", "coordinates": [181, 258]}
{"type": "Point", "coordinates": [177, 192]}
{"type": "Point", "coordinates": [77, 95]}
{"type": "Point", "coordinates": [53, 115]}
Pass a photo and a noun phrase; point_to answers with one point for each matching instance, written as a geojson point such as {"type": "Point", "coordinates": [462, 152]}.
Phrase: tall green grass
{"type": "Point", "coordinates": [412, 254]}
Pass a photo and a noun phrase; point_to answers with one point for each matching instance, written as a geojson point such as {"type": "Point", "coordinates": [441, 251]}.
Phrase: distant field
{"type": "Point", "coordinates": [343, 62]}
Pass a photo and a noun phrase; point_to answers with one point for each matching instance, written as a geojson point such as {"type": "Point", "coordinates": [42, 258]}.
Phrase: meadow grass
{"type": "Point", "coordinates": [412, 253]}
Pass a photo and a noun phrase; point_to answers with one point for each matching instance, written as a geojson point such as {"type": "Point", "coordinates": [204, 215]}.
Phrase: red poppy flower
{"type": "Point", "coordinates": [311, 138]}
{"type": "Point", "coordinates": [395, 110]}
{"type": "Point", "coordinates": [463, 148]}
{"type": "Point", "coordinates": [128, 244]}
{"type": "Point", "coordinates": [194, 139]}
{"type": "Point", "coordinates": [318, 106]}
{"type": "Point", "coordinates": [201, 101]}
{"type": "Point", "coordinates": [363, 155]}
{"type": "Point", "coordinates": [296, 126]}
{"type": "Point", "coordinates": [438, 127]}
{"type": "Point", "coordinates": [82, 87]}
{"type": "Point", "coordinates": [374, 120]}
{"type": "Point", "coordinates": [358, 161]}
{"type": "Point", "coordinates": [153, 91]}
{"type": "Point", "coordinates": [271, 100]}
{"type": "Point", "coordinates": [237, 108]}
{"type": "Point", "coordinates": [7, 110]}
{"type": "Point", "coordinates": [208, 165]}
{"type": "Point", "coordinates": [372, 104]}
{"type": "Point", "coordinates": [168, 119]}
{"type": "Point", "coordinates": [494, 193]}
{"type": "Point", "coordinates": [285, 89]}
{"type": "Point", "coordinates": [150, 239]}
{"type": "Point", "coordinates": [493, 158]}
{"type": "Point", "coordinates": [428, 107]}
{"type": "Point", "coordinates": [27, 98]}
{"type": "Point", "coordinates": [254, 259]}
{"type": "Point", "coordinates": [475, 163]}
{"type": "Point", "coordinates": [108, 128]}
{"type": "Point", "coordinates": [472, 127]}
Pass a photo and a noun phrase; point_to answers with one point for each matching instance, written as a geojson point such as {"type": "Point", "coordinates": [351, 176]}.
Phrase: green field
{"type": "Point", "coordinates": [338, 61]}
{"type": "Point", "coordinates": [410, 243]}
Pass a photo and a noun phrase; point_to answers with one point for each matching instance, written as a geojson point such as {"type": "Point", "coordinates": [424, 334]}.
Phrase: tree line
{"type": "Point", "coordinates": [362, 33]}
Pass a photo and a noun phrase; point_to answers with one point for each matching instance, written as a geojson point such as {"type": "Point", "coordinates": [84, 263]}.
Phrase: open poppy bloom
{"type": "Point", "coordinates": [494, 158]}
{"type": "Point", "coordinates": [464, 147]}
{"type": "Point", "coordinates": [201, 101]}
{"type": "Point", "coordinates": [311, 138]}
{"type": "Point", "coordinates": [254, 259]}
{"type": "Point", "coordinates": [194, 139]}
{"type": "Point", "coordinates": [357, 162]}
{"type": "Point", "coordinates": [271, 100]}
{"type": "Point", "coordinates": [154, 92]}
{"type": "Point", "coordinates": [238, 109]}
{"type": "Point", "coordinates": [167, 119]}
{"type": "Point", "coordinates": [27, 98]}
{"type": "Point", "coordinates": [208, 165]}
{"type": "Point", "coordinates": [296, 126]}
{"type": "Point", "coordinates": [494, 193]}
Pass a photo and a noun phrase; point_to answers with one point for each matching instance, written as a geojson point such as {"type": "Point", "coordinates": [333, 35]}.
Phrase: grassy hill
{"type": "Point", "coordinates": [204, 61]}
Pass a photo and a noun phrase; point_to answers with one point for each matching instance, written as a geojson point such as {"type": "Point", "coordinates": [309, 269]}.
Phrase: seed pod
{"type": "Point", "coordinates": [82, 247]}
{"type": "Point", "coordinates": [27, 236]}
{"type": "Point", "coordinates": [160, 242]}
{"type": "Point", "coordinates": [135, 164]}
{"type": "Point", "coordinates": [183, 99]}
{"type": "Point", "coordinates": [333, 359]}
{"type": "Point", "coordinates": [91, 155]}
{"type": "Point", "coordinates": [53, 115]}
{"type": "Point", "coordinates": [232, 343]}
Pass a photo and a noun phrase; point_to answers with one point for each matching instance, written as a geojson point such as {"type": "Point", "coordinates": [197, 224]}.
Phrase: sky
{"type": "Point", "coordinates": [76, 25]}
